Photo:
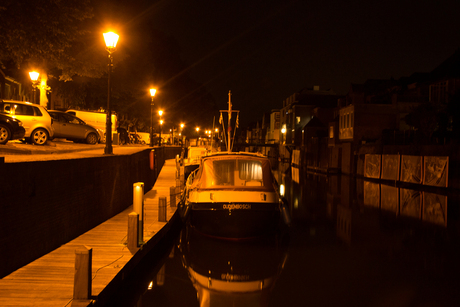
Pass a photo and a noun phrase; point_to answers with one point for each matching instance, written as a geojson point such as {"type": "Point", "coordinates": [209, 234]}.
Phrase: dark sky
{"type": "Point", "coordinates": [264, 51]}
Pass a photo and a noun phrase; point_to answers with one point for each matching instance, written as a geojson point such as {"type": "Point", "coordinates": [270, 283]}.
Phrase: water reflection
{"type": "Point", "coordinates": [352, 242]}
{"type": "Point", "coordinates": [426, 206]}
{"type": "Point", "coordinates": [226, 273]}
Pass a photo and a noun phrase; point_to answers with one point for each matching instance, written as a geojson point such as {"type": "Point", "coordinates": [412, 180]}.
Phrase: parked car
{"type": "Point", "coordinates": [10, 129]}
{"type": "Point", "coordinates": [97, 120]}
{"type": "Point", "coordinates": [35, 119]}
{"type": "Point", "coordinates": [70, 127]}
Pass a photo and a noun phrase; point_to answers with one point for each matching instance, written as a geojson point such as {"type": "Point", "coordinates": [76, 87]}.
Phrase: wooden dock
{"type": "Point", "coordinates": [49, 280]}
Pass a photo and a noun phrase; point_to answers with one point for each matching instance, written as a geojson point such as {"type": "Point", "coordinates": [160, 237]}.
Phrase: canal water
{"type": "Point", "coordinates": [351, 243]}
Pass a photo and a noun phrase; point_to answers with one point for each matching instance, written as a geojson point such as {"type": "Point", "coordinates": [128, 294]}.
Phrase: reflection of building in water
{"type": "Point", "coordinates": [295, 174]}
{"type": "Point", "coordinates": [227, 273]}
{"type": "Point", "coordinates": [429, 207]}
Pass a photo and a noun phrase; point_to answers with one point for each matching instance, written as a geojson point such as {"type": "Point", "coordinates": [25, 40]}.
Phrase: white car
{"type": "Point", "coordinates": [36, 120]}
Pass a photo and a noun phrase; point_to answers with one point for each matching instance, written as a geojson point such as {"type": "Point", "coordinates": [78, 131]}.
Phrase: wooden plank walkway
{"type": "Point", "coordinates": [48, 281]}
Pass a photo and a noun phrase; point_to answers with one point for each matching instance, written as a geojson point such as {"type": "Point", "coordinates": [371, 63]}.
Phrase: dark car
{"type": "Point", "coordinates": [69, 127]}
{"type": "Point", "coordinates": [10, 129]}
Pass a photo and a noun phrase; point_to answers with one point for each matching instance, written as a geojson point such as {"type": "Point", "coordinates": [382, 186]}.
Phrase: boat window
{"type": "Point", "coordinates": [224, 172]}
{"type": "Point", "coordinates": [250, 170]}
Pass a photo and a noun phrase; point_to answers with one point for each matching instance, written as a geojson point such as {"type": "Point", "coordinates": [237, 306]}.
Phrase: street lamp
{"type": "Point", "coordinates": [152, 93]}
{"type": "Point", "coordinates": [34, 77]}
{"type": "Point", "coordinates": [161, 123]}
{"type": "Point", "coordinates": [283, 133]}
{"type": "Point", "coordinates": [111, 40]}
{"type": "Point", "coordinates": [180, 134]}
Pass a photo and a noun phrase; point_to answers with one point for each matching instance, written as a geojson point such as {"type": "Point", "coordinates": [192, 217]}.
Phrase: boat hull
{"type": "Point", "coordinates": [235, 220]}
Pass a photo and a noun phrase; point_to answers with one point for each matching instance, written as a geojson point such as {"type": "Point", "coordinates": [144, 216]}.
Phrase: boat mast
{"type": "Point", "coordinates": [229, 119]}
{"type": "Point", "coordinates": [229, 111]}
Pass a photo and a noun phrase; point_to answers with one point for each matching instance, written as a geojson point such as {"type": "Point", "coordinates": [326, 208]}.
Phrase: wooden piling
{"type": "Point", "coordinates": [162, 209]}
{"type": "Point", "coordinates": [172, 197]}
{"type": "Point", "coordinates": [82, 278]}
{"type": "Point", "coordinates": [133, 232]}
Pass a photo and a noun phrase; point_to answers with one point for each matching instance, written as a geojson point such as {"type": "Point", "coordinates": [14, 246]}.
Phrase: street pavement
{"type": "Point", "coordinates": [15, 151]}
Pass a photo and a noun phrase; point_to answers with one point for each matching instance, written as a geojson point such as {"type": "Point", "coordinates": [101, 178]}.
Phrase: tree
{"type": "Point", "coordinates": [51, 35]}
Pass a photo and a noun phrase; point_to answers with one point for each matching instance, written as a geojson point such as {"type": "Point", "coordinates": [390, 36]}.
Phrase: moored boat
{"type": "Point", "coordinates": [234, 196]}
{"type": "Point", "coordinates": [193, 160]}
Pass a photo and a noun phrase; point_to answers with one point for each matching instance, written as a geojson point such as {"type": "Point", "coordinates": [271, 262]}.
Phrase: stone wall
{"type": "Point", "coordinates": [44, 204]}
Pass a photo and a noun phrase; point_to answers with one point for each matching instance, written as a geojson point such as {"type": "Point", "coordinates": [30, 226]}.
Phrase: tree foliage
{"type": "Point", "coordinates": [51, 35]}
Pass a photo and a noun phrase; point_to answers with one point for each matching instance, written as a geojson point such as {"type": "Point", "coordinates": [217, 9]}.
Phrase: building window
{"type": "Point", "coordinates": [331, 132]}
{"type": "Point", "coordinates": [297, 119]}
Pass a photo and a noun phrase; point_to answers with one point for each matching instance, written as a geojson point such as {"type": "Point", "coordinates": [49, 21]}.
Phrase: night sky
{"type": "Point", "coordinates": [264, 51]}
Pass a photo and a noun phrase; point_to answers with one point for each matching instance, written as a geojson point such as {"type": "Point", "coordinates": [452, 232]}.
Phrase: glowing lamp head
{"type": "Point", "coordinates": [161, 122]}
{"type": "Point", "coordinates": [282, 191]}
{"type": "Point", "coordinates": [111, 40]}
{"type": "Point", "coordinates": [34, 75]}
{"type": "Point", "coordinates": [181, 126]}
{"type": "Point", "coordinates": [197, 129]}
{"type": "Point", "coordinates": [160, 112]}
{"type": "Point", "coordinates": [152, 92]}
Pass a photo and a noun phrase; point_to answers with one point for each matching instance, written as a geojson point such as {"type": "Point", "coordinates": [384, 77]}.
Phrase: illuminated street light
{"type": "Point", "coordinates": [34, 77]}
{"type": "Point", "coordinates": [152, 93]}
{"type": "Point", "coordinates": [111, 40]}
{"type": "Point", "coordinates": [160, 112]}
{"type": "Point", "coordinates": [283, 133]}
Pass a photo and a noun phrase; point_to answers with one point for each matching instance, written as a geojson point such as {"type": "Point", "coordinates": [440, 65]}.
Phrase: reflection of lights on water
{"type": "Point", "coordinates": [296, 203]}
{"type": "Point", "coordinates": [150, 285]}
{"type": "Point", "coordinates": [282, 190]}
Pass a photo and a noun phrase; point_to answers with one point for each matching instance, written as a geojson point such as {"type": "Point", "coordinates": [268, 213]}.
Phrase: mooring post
{"type": "Point", "coordinates": [82, 278]}
{"type": "Point", "coordinates": [172, 197]}
{"type": "Point", "coordinates": [182, 177]}
{"type": "Point", "coordinates": [138, 207]}
{"type": "Point", "coordinates": [177, 166]}
{"type": "Point", "coordinates": [133, 232]}
{"type": "Point", "coordinates": [162, 209]}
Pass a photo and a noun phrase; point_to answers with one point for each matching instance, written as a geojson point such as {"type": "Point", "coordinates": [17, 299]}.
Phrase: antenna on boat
{"type": "Point", "coordinates": [229, 111]}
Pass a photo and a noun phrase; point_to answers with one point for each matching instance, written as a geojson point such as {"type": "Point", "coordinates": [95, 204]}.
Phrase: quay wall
{"type": "Point", "coordinates": [44, 204]}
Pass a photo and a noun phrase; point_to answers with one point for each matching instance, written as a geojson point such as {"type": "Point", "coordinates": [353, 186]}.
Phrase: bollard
{"type": "Point", "coordinates": [162, 209]}
{"type": "Point", "coordinates": [133, 232]}
{"type": "Point", "coordinates": [82, 278]}
{"type": "Point", "coordinates": [178, 191]}
{"type": "Point", "coordinates": [182, 180]}
{"type": "Point", "coordinates": [172, 197]}
{"type": "Point", "coordinates": [138, 207]}
{"type": "Point", "coordinates": [177, 164]}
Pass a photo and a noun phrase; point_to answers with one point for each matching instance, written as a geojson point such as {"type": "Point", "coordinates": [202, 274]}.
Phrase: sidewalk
{"type": "Point", "coordinates": [48, 281]}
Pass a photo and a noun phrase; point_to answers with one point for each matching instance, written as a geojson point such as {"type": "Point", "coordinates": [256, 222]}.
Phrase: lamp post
{"type": "Point", "coordinates": [111, 40]}
{"type": "Point", "coordinates": [34, 77]}
{"type": "Point", "coordinates": [180, 133]}
{"type": "Point", "coordinates": [152, 93]}
{"type": "Point", "coordinates": [161, 123]}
